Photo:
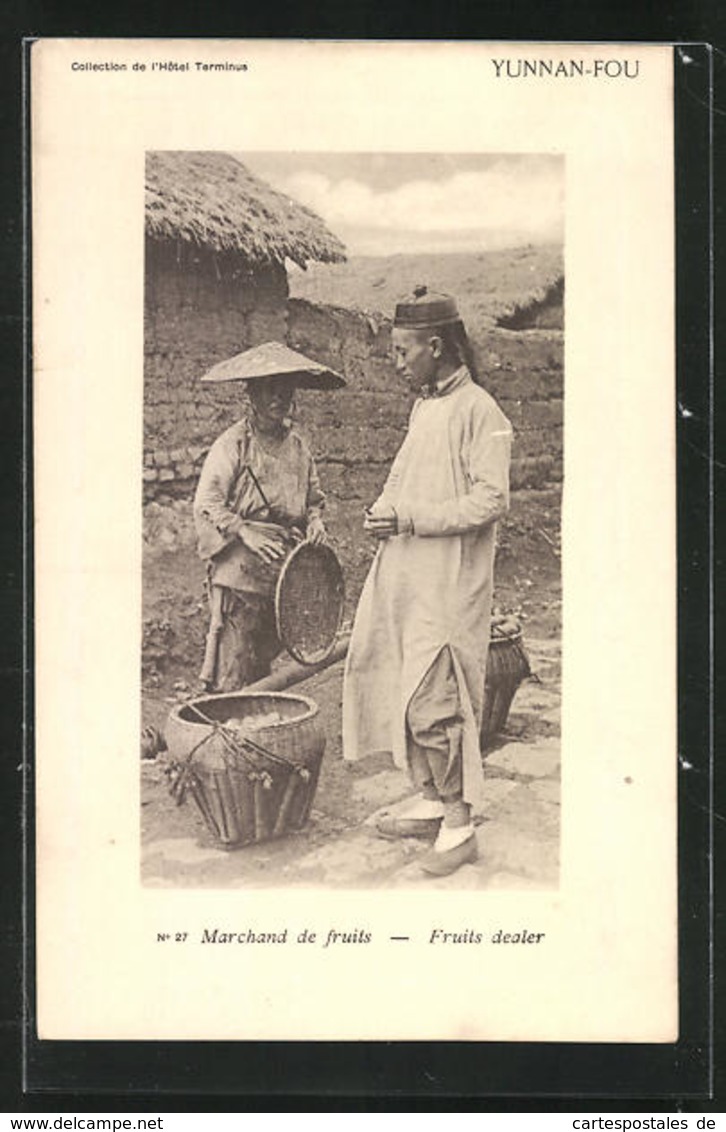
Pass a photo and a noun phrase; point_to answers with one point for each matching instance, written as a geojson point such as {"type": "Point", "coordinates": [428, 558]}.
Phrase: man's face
{"type": "Point", "coordinates": [272, 398]}
{"type": "Point", "coordinates": [416, 354]}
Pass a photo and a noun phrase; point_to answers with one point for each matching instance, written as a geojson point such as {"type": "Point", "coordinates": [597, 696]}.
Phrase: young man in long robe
{"type": "Point", "coordinates": [414, 678]}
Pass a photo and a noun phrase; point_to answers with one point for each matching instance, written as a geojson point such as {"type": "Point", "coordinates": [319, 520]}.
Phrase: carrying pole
{"type": "Point", "coordinates": [208, 674]}
{"type": "Point", "coordinates": [294, 673]}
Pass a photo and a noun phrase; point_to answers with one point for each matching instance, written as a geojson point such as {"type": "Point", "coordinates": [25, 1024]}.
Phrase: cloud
{"type": "Point", "coordinates": [505, 198]}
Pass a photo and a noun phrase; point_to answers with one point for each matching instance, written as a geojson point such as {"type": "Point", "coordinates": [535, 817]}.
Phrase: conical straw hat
{"type": "Point", "coordinates": [272, 359]}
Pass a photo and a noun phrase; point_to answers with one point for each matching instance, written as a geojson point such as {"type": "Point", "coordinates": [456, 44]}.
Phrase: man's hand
{"type": "Point", "coordinates": [316, 533]}
{"type": "Point", "coordinates": [380, 521]}
{"type": "Point", "coordinates": [266, 540]}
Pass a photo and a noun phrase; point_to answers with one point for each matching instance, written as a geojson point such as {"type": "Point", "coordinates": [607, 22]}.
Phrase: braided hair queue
{"type": "Point", "coordinates": [456, 346]}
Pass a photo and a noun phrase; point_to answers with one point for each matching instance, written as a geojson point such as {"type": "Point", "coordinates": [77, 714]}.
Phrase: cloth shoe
{"type": "Point", "coordinates": [422, 817]}
{"type": "Point", "coordinates": [452, 835]}
{"type": "Point", "coordinates": [454, 847]}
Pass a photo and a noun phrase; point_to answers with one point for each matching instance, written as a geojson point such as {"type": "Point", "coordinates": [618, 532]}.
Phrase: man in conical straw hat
{"type": "Point", "coordinates": [257, 494]}
{"type": "Point", "coordinates": [415, 669]}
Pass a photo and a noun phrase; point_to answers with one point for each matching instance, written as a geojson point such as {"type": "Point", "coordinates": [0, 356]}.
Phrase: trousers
{"type": "Point", "coordinates": [434, 727]}
{"type": "Point", "coordinates": [248, 641]}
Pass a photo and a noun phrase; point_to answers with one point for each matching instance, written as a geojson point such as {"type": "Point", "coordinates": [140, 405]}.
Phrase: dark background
{"type": "Point", "coordinates": [80, 1077]}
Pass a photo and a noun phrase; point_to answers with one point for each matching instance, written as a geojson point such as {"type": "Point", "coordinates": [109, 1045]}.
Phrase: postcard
{"type": "Point", "coordinates": [354, 466]}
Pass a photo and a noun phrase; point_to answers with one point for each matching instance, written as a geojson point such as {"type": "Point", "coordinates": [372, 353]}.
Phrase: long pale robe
{"type": "Point", "coordinates": [431, 587]}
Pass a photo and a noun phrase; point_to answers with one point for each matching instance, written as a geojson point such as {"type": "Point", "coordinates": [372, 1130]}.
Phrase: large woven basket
{"type": "Point", "coordinates": [507, 667]}
{"type": "Point", "coordinates": [248, 785]}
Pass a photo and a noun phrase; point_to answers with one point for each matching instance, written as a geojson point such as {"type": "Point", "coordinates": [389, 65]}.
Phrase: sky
{"type": "Point", "coordinates": [384, 204]}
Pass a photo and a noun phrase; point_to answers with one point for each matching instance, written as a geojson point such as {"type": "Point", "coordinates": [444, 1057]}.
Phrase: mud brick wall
{"type": "Point", "coordinates": [196, 319]}
{"type": "Point", "coordinates": [523, 370]}
{"type": "Point", "coordinates": [356, 433]}
{"type": "Point", "coordinates": [199, 309]}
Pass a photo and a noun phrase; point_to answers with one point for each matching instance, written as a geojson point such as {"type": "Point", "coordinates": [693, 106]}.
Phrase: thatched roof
{"type": "Point", "coordinates": [544, 309]}
{"type": "Point", "coordinates": [211, 200]}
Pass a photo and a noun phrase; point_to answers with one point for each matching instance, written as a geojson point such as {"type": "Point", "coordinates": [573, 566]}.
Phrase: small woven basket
{"type": "Point", "coordinates": [309, 600]}
{"type": "Point", "coordinates": [507, 666]}
{"type": "Point", "coordinates": [249, 786]}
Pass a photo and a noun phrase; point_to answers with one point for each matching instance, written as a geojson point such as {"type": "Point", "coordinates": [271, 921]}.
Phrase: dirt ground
{"type": "Point", "coordinates": [527, 583]}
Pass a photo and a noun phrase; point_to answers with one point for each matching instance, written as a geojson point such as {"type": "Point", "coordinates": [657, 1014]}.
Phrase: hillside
{"type": "Point", "coordinates": [487, 285]}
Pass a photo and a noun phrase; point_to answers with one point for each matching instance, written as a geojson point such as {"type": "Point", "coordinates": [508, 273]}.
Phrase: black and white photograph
{"type": "Point", "coordinates": [353, 456]}
{"type": "Point", "coordinates": [355, 498]}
